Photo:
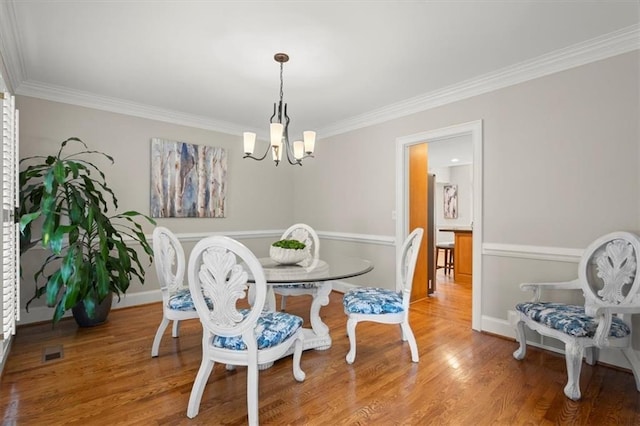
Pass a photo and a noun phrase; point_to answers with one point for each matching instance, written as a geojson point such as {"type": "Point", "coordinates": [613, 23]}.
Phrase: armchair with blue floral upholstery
{"type": "Point", "coordinates": [609, 280]}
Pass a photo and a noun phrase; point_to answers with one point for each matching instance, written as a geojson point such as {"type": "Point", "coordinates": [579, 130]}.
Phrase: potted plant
{"type": "Point", "coordinates": [287, 252]}
{"type": "Point", "coordinates": [67, 198]}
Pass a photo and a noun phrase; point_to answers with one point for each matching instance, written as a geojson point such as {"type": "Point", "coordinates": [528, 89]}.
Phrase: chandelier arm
{"type": "Point", "coordinates": [274, 113]}
{"type": "Point", "coordinates": [290, 157]}
{"type": "Point", "coordinates": [258, 158]}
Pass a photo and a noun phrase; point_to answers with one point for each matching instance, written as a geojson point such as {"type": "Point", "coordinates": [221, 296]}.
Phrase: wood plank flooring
{"type": "Point", "coordinates": [107, 376]}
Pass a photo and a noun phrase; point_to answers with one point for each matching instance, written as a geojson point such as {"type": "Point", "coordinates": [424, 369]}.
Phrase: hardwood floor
{"type": "Point", "coordinates": [107, 377]}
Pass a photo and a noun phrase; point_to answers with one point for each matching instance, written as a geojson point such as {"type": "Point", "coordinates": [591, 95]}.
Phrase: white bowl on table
{"type": "Point", "coordinates": [287, 256]}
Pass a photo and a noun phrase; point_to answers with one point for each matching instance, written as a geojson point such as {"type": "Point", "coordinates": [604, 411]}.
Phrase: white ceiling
{"type": "Point", "coordinates": [450, 152]}
{"type": "Point", "coordinates": [211, 62]}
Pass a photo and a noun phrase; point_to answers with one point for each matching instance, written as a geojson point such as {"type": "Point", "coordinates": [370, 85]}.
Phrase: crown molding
{"type": "Point", "coordinates": [605, 46]}
{"type": "Point", "coordinates": [10, 55]}
{"type": "Point", "coordinates": [90, 100]}
{"type": "Point", "coordinates": [615, 43]}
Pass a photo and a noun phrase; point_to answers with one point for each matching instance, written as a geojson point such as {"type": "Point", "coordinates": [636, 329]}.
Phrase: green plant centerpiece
{"type": "Point", "coordinates": [91, 254]}
{"type": "Point", "coordinates": [289, 244]}
{"type": "Point", "coordinates": [288, 252]}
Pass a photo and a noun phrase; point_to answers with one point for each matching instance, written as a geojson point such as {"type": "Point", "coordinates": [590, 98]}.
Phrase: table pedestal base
{"type": "Point", "coordinates": [317, 337]}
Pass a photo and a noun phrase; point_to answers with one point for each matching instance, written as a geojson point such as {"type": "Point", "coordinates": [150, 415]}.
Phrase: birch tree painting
{"type": "Point", "coordinates": [187, 180]}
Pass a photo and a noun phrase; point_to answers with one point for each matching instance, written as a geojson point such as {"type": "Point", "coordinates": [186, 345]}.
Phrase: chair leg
{"type": "Point", "coordinates": [176, 328]}
{"type": "Point", "coordinates": [252, 393]}
{"type": "Point", "coordinates": [283, 302]}
{"type": "Point", "coordinates": [407, 334]}
{"type": "Point", "coordinates": [573, 354]}
{"type": "Point", "coordinates": [198, 387]}
{"type": "Point", "coordinates": [155, 347]}
{"type": "Point", "coordinates": [297, 356]}
{"type": "Point", "coordinates": [520, 337]}
{"type": "Point", "coordinates": [591, 355]}
{"type": "Point", "coordinates": [633, 359]}
{"type": "Point", "coordinates": [351, 332]}
{"type": "Point", "coordinates": [447, 261]}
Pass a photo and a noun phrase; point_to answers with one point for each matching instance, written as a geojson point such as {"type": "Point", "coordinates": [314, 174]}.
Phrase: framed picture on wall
{"type": "Point", "coordinates": [451, 201]}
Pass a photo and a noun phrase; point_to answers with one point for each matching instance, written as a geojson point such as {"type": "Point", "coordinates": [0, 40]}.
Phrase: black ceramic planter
{"type": "Point", "coordinates": [100, 315]}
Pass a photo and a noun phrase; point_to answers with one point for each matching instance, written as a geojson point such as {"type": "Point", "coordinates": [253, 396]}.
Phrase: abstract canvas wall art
{"type": "Point", "coordinates": [187, 180]}
{"type": "Point", "coordinates": [451, 201]}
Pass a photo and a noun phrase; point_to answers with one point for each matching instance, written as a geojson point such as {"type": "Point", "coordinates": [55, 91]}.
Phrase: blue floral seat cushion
{"type": "Point", "coordinates": [569, 319]}
{"type": "Point", "coordinates": [182, 301]}
{"type": "Point", "coordinates": [301, 285]}
{"type": "Point", "coordinates": [272, 329]}
{"type": "Point", "coordinates": [371, 300]}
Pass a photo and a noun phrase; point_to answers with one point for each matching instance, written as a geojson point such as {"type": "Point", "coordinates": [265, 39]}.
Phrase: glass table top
{"type": "Point", "coordinates": [318, 270]}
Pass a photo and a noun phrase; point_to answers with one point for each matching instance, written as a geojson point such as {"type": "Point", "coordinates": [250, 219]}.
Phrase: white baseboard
{"type": "Point", "coordinates": [5, 349]}
{"type": "Point", "coordinates": [43, 313]}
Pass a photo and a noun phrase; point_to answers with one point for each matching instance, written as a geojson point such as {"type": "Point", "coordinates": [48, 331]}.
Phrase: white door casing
{"type": "Point", "coordinates": [474, 130]}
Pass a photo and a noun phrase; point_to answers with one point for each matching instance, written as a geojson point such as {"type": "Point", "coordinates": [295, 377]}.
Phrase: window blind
{"type": "Point", "coordinates": [10, 240]}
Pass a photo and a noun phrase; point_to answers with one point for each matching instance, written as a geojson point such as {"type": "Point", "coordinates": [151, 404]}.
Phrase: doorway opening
{"type": "Point", "coordinates": [474, 130]}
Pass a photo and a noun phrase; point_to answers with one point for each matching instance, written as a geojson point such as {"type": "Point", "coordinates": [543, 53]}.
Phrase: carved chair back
{"type": "Point", "coordinates": [169, 261]}
{"type": "Point", "coordinates": [305, 234]}
{"type": "Point", "coordinates": [216, 271]}
{"type": "Point", "coordinates": [608, 274]}
{"type": "Point", "coordinates": [407, 265]}
{"type": "Point", "coordinates": [608, 271]}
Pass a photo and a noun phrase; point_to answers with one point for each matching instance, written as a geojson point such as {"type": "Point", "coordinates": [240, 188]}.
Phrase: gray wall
{"type": "Point", "coordinates": [561, 161]}
{"type": "Point", "coordinates": [561, 167]}
{"type": "Point", "coordinates": [259, 197]}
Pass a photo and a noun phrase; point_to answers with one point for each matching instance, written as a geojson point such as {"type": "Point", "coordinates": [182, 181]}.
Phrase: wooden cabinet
{"type": "Point", "coordinates": [463, 257]}
{"type": "Point", "coordinates": [462, 254]}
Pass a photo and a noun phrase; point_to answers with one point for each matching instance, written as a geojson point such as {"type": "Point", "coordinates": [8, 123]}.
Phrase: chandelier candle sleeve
{"type": "Point", "coordinates": [249, 142]}
{"type": "Point", "coordinates": [309, 141]}
{"type": "Point", "coordinates": [276, 134]}
{"type": "Point", "coordinates": [298, 150]}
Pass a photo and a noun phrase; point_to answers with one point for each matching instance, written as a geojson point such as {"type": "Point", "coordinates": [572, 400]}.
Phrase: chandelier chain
{"type": "Point", "coordinates": [281, 82]}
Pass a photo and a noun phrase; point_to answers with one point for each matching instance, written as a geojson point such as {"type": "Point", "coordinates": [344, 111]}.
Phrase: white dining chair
{"type": "Point", "coordinates": [233, 335]}
{"type": "Point", "coordinates": [305, 234]}
{"type": "Point", "coordinates": [177, 304]}
{"type": "Point", "coordinates": [383, 305]}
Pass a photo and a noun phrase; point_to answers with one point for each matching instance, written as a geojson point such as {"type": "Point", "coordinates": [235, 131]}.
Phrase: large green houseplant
{"type": "Point", "coordinates": [91, 253]}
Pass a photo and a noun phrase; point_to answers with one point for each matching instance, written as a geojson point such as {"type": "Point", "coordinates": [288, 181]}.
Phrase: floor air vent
{"type": "Point", "coordinates": [51, 353]}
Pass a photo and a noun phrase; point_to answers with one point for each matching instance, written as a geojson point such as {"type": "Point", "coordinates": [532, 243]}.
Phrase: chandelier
{"type": "Point", "coordinates": [279, 131]}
